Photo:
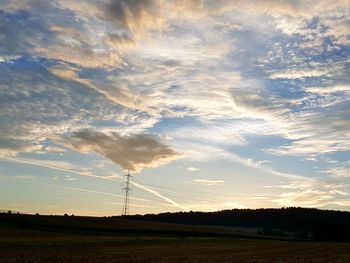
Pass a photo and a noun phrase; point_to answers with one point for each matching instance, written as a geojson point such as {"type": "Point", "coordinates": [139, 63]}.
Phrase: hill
{"type": "Point", "coordinates": [106, 226]}
{"type": "Point", "coordinates": [321, 225]}
{"type": "Point", "coordinates": [42, 238]}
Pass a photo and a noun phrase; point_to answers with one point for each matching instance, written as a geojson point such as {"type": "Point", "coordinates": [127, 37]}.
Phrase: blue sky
{"type": "Point", "coordinates": [210, 105]}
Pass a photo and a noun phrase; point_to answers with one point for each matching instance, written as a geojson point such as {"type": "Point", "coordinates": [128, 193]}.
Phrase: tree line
{"type": "Point", "coordinates": [322, 225]}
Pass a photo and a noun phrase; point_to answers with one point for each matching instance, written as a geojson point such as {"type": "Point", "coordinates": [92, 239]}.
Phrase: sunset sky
{"type": "Point", "coordinates": [210, 104]}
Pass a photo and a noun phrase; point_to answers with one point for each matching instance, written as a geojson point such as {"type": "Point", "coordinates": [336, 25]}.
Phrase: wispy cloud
{"type": "Point", "coordinates": [192, 169]}
{"type": "Point", "coordinates": [69, 178]}
{"type": "Point", "coordinates": [339, 171]}
{"type": "Point", "coordinates": [307, 198]}
{"type": "Point", "coordinates": [208, 182]}
{"type": "Point", "coordinates": [316, 193]}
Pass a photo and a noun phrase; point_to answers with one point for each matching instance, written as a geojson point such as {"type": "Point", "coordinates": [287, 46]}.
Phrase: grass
{"type": "Point", "coordinates": [20, 243]}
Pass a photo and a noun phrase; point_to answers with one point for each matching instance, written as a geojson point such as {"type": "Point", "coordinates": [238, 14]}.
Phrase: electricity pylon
{"type": "Point", "coordinates": [126, 190]}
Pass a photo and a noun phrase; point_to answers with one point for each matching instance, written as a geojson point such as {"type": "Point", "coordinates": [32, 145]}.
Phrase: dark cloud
{"type": "Point", "coordinates": [258, 100]}
{"type": "Point", "coordinates": [120, 41]}
{"type": "Point", "coordinates": [133, 14]}
{"type": "Point", "coordinates": [132, 153]}
{"type": "Point", "coordinates": [10, 147]}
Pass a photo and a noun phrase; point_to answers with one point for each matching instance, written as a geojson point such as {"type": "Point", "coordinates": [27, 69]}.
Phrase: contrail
{"type": "Point", "coordinates": [156, 193]}
{"type": "Point", "coordinates": [45, 165]}
{"type": "Point", "coordinates": [76, 188]}
{"type": "Point", "coordinates": [81, 173]}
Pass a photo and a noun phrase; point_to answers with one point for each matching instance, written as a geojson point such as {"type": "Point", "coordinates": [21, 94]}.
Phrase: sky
{"type": "Point", "coordinates": [209, 105]}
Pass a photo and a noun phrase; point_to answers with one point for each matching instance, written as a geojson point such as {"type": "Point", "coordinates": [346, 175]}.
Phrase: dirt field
{"type": "Point", "coordinates": [20, 245]}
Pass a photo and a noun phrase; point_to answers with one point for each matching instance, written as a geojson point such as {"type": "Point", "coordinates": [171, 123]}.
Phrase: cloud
{"type": "Point", "coordinates": [312, 70]}
{"type": "Point", "coordinates": [21, 35]}
{"type": "Point", "coordinates": [307, 198]}
{"type": "Point", "coordinates": [73, 46]}
{"type": "Point", "coordinates": [134, 15]}
{"type": "Point", "coordinates": [201, 73]}
{"type": "Point", "coordinates": [299, 74]}
{"type": "Point", "coordinates": [319, 133]}
{"type": "Point", "coordinates": [311, 193]}
{"type": "Point", "coordinates": [112, 175]}
{"type": "Point", "coordinates": [11, 147]}
{"type": "Point", "coordinates": [69, 178]}
{"type": "Point", "coordinates": [120, 94]}
{"type": "Point", "coordinates": [120, 41]}
{"type": "Point", "coordinates": [203, 151]}
{"type": "Point", "coordinates": [208, 182]}
{"type": "Point", "coordinates": [14, 6]}
{"type": "Point", "coordinates": [37, 105]}
{"type": "Point", "coordinates": [127, 20]}
{"type": "Point", "coordinates": [84, 10]}
{"type": "Point", "coordinates": [216, 76]}
{"type": "Point", "coordinates": [55, 149]}
{"type": "Point", "coordinates": [329, 90]}
{"type": "Point", "coordinates": [212, 133]}
{"type": "Point", "coordinates": [192, 169]}
{"type": "Point", "coordinates": [258, 103]}
{"type": "Point", "coordinates": [8, 58]}
{"type": "Point", "coordinates": [263, 162]}
{"type": "Point", "coordinates": [95, 40]}
{"type": "Point", "coordinates": [339, 172]}
{"type": "Point", "coordinates": [134, 152]}
{"type": "Point", "coordinates": [274, 8]}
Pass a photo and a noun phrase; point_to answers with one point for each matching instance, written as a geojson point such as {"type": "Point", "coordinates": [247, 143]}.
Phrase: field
{"type": "Point", "coordinates": [42, 241]}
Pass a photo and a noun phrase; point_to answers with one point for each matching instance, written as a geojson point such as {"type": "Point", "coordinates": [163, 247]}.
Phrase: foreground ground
{"type": "Point", "coordinates": [26, 238]}
{"type": "Point", "coordinates": [19, 245]}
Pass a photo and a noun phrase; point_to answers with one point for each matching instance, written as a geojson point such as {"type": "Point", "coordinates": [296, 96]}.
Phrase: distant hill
{"type": "Point", "coordinates": [322, 225]}
{"type": "Point", "coordinates": [109, 226]}
{"type": "Point", "coordinates": [284, 223]}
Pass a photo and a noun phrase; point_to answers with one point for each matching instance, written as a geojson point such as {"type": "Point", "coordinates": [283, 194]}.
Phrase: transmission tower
{"type": "Point", "coordinates": [126, 190]}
